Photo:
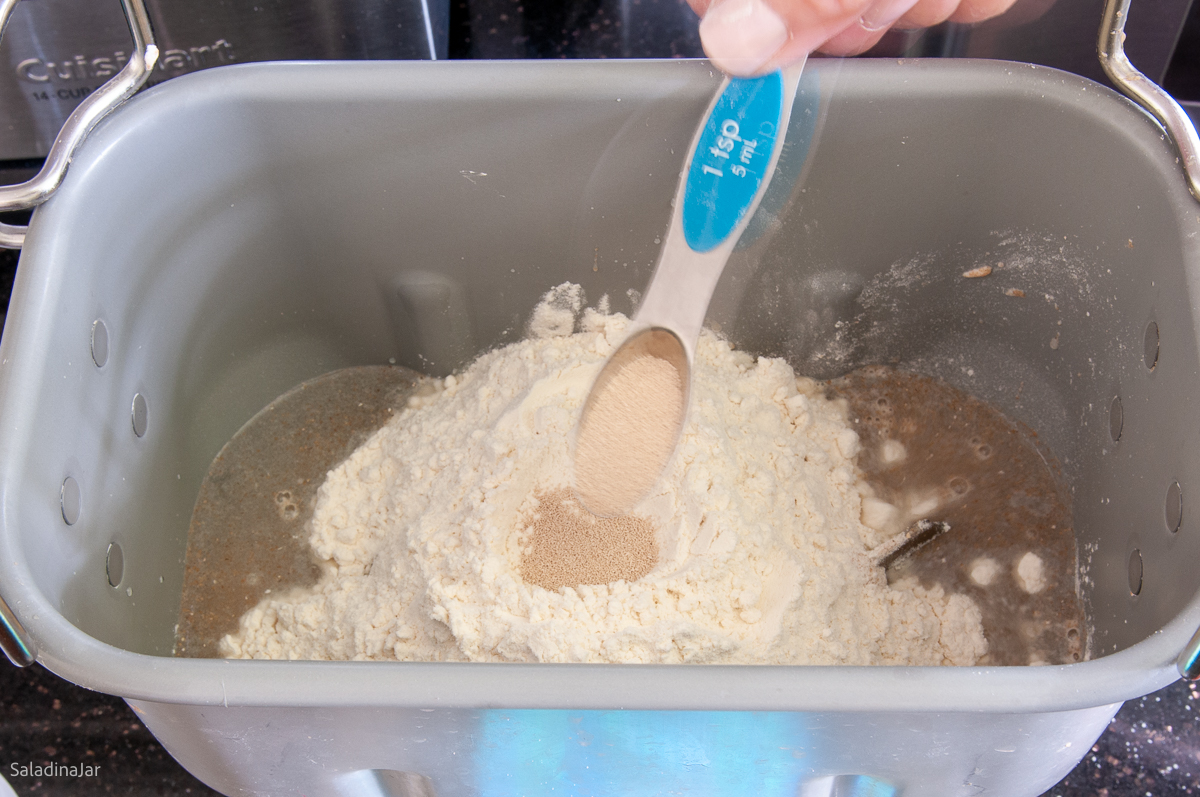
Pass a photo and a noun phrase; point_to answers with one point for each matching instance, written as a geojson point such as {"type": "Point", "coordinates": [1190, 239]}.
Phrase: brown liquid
{"type": "Point", "coordinates": [1001, 493]}
{"type": "Point", "coordinates": [249, 530]}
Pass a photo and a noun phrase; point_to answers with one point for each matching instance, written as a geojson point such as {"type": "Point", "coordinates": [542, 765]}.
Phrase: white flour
{"type": "Point", "coordinates": [762, 555]}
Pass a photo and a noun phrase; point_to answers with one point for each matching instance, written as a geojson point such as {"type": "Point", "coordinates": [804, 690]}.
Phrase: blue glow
{"type": "Point", "coordinates": [634, 753]}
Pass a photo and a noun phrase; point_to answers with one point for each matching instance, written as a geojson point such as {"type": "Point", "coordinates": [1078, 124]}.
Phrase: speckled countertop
{"type": "Point", "coordinates": [1152, 746]}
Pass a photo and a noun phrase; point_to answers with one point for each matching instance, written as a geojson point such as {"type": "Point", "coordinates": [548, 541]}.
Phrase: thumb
{"type": "Point", "coordinates": [746, 37]}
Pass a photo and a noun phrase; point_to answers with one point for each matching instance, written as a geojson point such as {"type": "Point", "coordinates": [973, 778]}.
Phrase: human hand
{"type": "Point", "coordinates": [748, 37]}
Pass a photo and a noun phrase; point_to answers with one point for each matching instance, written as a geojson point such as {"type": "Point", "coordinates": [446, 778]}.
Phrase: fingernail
{"type": "Point", "coordinates": [883, 13]}
{"type": "Point", "coordinates": [739, 36]}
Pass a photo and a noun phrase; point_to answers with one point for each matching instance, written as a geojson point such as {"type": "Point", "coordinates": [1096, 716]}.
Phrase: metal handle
{"type": "Point", "coordinates": [1146, 93]}
{"type": "Point", "coordinates": [81, 121]}
{"type": "Point", "coordinates": [14, 640]}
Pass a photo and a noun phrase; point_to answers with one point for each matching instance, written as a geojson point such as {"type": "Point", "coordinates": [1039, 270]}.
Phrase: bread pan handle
{"type": "Point", "coordinates": [14, 640]}
{"type": "Point", "coordinates": [81, 121]}
{"type": "Point", "coordinates": [1146, 93]}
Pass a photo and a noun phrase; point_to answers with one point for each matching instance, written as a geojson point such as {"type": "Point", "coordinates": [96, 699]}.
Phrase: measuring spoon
{"type": "Point", "coordinates": [624, 439]}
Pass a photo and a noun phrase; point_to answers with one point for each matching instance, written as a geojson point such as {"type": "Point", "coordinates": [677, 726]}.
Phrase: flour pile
{"type": "Point", "coordinates": [761, 553]}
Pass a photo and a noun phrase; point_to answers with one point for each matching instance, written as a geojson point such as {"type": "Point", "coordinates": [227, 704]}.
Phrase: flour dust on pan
{"type": "Point", "coordinates": [249, 532]}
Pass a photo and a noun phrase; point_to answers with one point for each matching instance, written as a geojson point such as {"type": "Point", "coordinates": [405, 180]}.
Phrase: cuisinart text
{"type": "Point", "coordinates": [80, 67]}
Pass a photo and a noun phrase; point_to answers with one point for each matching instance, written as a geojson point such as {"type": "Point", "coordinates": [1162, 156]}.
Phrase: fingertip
{"type": "Point", "coordinates": [742, 36]}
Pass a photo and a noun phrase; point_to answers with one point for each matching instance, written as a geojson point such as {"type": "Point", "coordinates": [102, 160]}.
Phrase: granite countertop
{"type": "Point", "coordinates": [1152, 746]}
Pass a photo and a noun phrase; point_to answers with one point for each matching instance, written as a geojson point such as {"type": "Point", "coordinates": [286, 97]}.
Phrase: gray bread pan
{"type": "Point", "coordinates": [232, 233]}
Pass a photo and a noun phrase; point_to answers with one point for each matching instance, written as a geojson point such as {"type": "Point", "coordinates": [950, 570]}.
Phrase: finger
{"type": "Point", "coordinates": [740, 36]}
{"type": "Point", "coordinates": [748, 37]}
{"type": "Point", "coordinates": [927, 13]}
{"type": "Point", "coordinates": [868, 29]}
{"type": "Point", "coordinates": [970, 11]}
{"type": "Point", "coordinates": [854, 40]}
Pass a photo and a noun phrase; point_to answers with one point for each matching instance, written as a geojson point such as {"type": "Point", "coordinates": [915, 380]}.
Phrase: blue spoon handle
{"type": "Point", "coordinates": [731, 161]}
